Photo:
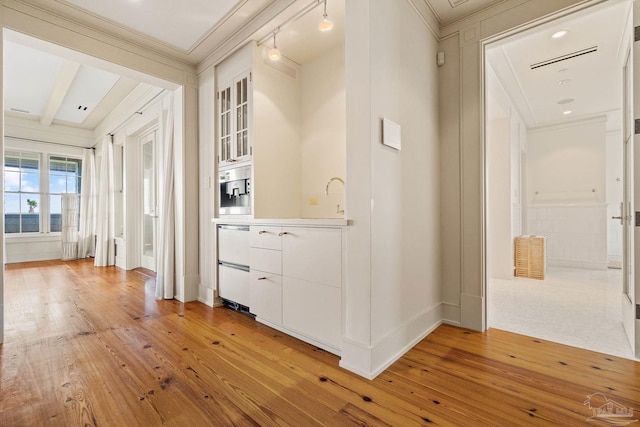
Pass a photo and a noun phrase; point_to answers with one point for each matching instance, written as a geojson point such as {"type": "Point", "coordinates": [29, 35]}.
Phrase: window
{"type": "Point", "coordinates": [33, 187]}
{"type": "Point", "coordinates": [64, 177]}
{"type": "Point", "coordinates": [21, 193]}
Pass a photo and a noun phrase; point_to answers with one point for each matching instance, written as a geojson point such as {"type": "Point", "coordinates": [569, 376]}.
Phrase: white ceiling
{"type": "Point", "coordinates": [591, 83]}
{"type": "Point", "coordinates": [448, 11]}
{"type": "Point", "coordinates": [52, 89]}
{"type": "Point", "coordinates": [177, 23]}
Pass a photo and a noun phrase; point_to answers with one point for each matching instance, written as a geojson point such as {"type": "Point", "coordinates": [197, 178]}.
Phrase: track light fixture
{"type": "Point", "coordinates": [274, 54]}
{"type": "Point", "coordinates": [325, 25]}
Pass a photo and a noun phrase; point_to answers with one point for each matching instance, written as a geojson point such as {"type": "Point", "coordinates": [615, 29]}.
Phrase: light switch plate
{"type": "Point", "coordinates": [391, 134]}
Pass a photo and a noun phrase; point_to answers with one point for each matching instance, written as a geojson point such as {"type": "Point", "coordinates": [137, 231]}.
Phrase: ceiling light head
{"type": "Point", "coordinates": [274, 54]}
{"type": "Point", "coordinates": [566, 113]}
{"type": "Point", "coordinates": [559, 34]}
{"type": "Point", "coordinates": [325, 25]}
{"type": "Point", "coordinates": [564, 81]}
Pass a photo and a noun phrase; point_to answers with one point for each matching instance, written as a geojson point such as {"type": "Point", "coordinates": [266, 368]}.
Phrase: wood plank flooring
{"type": "Point", "coordinates": [87, 346]}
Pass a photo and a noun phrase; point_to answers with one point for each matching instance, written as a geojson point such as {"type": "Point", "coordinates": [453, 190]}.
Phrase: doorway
{"type": "Point", "coordinates": [554, 168]}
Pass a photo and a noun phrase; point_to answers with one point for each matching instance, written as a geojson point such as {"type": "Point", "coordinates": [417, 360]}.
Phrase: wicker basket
{"type": "Point", "coordinates": [530, 257]}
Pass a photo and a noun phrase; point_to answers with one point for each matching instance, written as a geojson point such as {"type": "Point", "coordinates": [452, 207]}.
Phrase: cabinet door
{"type": "Point", "coordinates": [225, 125]}
{"type": "Point", "coordinates": [266, 296]}
{"type": "Point", "coordinates": [234, 119]}
{"type": "Point", "coordinates": [313, 310]}
{"type": "Point", "coordinates": [313, 254]}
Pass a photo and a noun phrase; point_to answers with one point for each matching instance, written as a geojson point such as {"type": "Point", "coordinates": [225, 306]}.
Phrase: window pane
{"type": "Point", "coordinates": [57, 184]}
{"type": "Point", "coordinates": [30, 203]}
{"type": "Point", "coordinates": [55, 204]}
{"type": "Point", "coordinates": [11, 203]}
{"type": "Point", "coordinates": [30, 182]}
{"type": "Point", "coordinates": [30, 223]}
{"type": "Point", "coordinates": [57, 164]}
{"type": "Point", "coordinates": [11, 180]}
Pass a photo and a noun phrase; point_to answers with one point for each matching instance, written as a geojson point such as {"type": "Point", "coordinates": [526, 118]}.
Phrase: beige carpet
{"type": "Point", "coordinates": [576, 307]}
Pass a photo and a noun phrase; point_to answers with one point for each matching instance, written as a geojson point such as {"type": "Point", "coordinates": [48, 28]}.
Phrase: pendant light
{"type": "Point", "coordinates": [325, 25]}
{"type": "Point", "coordinates": [274, 54]}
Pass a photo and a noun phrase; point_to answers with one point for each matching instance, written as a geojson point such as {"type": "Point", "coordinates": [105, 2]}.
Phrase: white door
{"type": "Point", "coordinates": [149, 201]}
{"type": "Point", "coordinates": [627, 217]}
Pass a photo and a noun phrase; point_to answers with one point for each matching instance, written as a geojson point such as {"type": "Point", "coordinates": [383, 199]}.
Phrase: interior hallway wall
{"type": "Point", "coordinates": [393, 295]}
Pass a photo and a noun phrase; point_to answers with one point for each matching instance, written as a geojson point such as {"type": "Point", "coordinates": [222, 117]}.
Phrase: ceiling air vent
{"type": "Point", "coordinates": [564, 57]}
{"type": "Point", "coordinates": [455, 3]}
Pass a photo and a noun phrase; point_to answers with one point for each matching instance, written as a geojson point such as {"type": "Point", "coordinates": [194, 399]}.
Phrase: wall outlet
{"type": "Point", "coordinates": [313, 201]}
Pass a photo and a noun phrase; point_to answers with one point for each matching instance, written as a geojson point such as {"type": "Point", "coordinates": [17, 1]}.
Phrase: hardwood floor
{"type": "Point", "coordinates": [89, 346]}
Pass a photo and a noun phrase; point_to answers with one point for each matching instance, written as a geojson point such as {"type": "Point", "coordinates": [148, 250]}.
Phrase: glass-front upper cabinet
{"type": "Point", "coordinates": [234, 117]}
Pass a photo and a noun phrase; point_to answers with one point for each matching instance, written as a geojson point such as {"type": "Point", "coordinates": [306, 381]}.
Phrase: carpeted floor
{"type": "Point", "coordinates": [576, 307]}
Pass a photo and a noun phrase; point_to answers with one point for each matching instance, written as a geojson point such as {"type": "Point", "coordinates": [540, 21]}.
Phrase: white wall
{"type": "Point", "coordinates": [393, 295]}
{"type": "Point", "coordinates": [276, 147]}
{"type": "Point", "coordinates": [566, 192]}
{"type": "Point", "coordinates": [567, 164]}
{"type": "Point", "coordinates": [323, 134]}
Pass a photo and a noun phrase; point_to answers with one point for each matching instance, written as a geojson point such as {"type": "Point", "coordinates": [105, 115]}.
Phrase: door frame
{"type": "Point", "coordinates": [484, 44]}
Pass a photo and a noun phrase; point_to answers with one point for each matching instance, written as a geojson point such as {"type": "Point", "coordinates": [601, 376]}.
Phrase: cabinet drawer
{"type": "Point", "coordinates": [233, 244]}
{"type": "Point", "coordinates": [233, 284]}
{"type": "Point", "coordinates": [267, 260]}
{"type": "Point", "coordinates": [266, 296]}
{"type": "Point", "coordinates": [265, 237]}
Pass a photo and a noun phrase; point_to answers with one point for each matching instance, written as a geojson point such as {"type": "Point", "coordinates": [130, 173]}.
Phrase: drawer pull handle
{"type": "Point", "coordinates": [283, 233]}
{"type": "Point", "coordinates": [261, 232]}
{"type": "Point", "coordinates": [262, 278]}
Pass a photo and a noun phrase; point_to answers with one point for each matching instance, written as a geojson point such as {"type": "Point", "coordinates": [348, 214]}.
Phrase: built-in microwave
{"type": "Point", "coordinates": [235, 191]}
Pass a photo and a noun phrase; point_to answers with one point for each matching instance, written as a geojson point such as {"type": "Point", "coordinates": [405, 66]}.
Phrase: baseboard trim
{"type": "Point", "coordinates": [472, 312]}
{"type": "Point", "coordinates": [371, 361]}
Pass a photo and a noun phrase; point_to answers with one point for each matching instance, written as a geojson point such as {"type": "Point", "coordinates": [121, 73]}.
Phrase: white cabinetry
{"type": "Point", "coordinates": [296, 281]}
{"type": "Point", "coordinates": [234, 114]}
{"type": "Point", "coordinates": [233, 263]}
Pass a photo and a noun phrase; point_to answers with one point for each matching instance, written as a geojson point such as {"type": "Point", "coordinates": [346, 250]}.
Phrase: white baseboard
{"type": "Point", "coordinates": [205, 296]}
{"type": "Point", "coordinates": [472, 312]}
{"type": "Point", "coordinates": [451, 313]}
{"type": "Point", "coordinates": [370, 361]}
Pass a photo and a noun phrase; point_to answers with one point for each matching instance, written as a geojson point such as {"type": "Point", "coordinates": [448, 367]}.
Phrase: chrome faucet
{"type": "Point", "coordinates": [326, 192]}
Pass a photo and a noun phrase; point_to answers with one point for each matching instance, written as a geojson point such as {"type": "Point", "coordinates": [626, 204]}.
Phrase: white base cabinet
{"type": "Point", "coordinates": [296, 282]}
{"type": "Point", "coordinates": [312, 309]}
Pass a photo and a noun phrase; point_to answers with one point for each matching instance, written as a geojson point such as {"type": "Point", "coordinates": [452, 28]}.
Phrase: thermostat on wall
{"type": "Point", "coordinates": [391, 133]}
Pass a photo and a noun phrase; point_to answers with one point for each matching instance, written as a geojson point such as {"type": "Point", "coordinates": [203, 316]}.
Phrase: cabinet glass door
{"type": "Point", "coordinates": [224, 124]}
{"type": "Point", "coordinates": [242, 118]}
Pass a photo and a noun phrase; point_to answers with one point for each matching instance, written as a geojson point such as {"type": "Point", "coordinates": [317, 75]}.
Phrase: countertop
{"type": "Point", "coordinates": [295, 222]}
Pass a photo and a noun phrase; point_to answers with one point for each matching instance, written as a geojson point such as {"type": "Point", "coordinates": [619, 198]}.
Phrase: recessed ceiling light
{"type": "Point", "coordinates": [564, 81]}
{"type": "Point", "coordinates": [566, 101]}
{"type": "Point", "coordinates": [566, 113]}
{"type": "Point", "coordinates": [559, 34]}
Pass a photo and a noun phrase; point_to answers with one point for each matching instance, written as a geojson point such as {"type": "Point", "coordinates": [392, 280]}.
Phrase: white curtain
{"type": "Point", "coordinates": [69, 230]}
{"type": "Point", "coordinates": [87, 231]}
{"type": "Point", "coordinates": [165, 257]}
{"type": "Point", "coordinates": [105, 224]}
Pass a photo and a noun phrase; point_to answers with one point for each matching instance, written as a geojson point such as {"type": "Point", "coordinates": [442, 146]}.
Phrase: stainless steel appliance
{"type": "Point", "coordinates": [235, 191]}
